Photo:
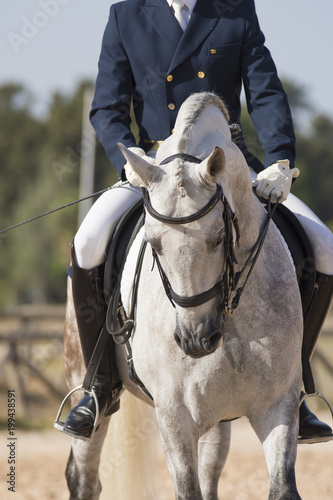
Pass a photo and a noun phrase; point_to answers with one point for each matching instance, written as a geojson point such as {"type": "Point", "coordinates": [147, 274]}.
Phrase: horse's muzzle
{"type": "Point", "coordinates": [197, 347]}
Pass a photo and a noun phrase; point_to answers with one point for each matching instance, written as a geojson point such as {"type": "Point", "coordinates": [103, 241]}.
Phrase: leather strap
{"type": "Point", "coordinates": [95, 359]}
{"type": "Point", "coordinates": [182, 220]}
{"type": "Point", "coordinates": [181, 156]}
{"type": "Point", "coordinates": [308, 380]}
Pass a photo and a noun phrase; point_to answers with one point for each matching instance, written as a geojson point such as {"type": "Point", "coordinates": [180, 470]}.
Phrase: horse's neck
{"type": "Point", "coordinates": [237, 186]}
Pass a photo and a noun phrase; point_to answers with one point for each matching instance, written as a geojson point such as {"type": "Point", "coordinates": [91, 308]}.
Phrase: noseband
{"type": "Point", "coordinates": [230, 221]}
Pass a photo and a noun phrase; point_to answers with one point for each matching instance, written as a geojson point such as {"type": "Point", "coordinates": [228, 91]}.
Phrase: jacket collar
{"type": "Point", "coordinates": [160, 15]}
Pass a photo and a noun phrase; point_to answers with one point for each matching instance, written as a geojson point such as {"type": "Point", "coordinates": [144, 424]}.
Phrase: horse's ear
{"type": "Point", "coordinates": [138, 171]}
{"type": "Point", "coordinates": [215, 164]}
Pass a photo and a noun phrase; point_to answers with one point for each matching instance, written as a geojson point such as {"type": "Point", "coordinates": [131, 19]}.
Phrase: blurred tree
{"type": "Point", "coordinates": [315, 154]}
{"type": "Point", "coordinates": [40, 166]}
{"type": "Point", "coordinates": [20, 137]}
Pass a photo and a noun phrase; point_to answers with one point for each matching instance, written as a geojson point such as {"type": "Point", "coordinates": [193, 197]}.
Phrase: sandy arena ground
{"type": "Point", "coordinates": [42, 456]}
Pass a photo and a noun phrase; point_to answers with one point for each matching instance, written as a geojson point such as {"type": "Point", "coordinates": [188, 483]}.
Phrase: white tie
{"type": "Point", "coordinates": [178, 6]}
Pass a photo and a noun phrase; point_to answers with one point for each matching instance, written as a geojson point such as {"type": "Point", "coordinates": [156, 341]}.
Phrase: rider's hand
{"type": "Point", "coordinates": [275, 181]}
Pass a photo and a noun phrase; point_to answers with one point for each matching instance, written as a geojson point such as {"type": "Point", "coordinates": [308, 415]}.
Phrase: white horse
{"type": "Point", "coordinates": [203, 363]}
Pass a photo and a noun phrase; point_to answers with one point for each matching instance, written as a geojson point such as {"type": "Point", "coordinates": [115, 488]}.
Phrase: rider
{"type": "Point", "coordinates": [155, 53]}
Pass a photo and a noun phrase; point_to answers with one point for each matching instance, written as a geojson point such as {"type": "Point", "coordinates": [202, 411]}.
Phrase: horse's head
{"type": "Point", "coordinates": [185, 226]}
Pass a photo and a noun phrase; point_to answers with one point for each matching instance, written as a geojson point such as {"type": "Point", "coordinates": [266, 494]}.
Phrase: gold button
{"type": "Point", "coordinates": [201, 74]}
{"type": "Point", "coordinates": [213, 51]}
{"type": "Point", "coordinates": [169, 78]}
{"type": "Point", "coordinates": [171, 106]}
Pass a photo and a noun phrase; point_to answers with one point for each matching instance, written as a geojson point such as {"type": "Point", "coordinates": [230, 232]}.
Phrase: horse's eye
{"type": "Point", "coordinates": [156, 244]}
{"type": "Point", "coordinates": [219, 238]}
{"type": "Point", "coordinates": [215, 241]}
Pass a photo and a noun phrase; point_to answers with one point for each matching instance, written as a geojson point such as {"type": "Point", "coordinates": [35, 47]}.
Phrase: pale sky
{"type": "Point", "coordinates": [51, 45]}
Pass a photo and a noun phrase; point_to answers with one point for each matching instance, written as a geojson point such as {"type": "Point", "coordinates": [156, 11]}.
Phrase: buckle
{"type": "Point", "coordinates": [316, 439]}
{"type": "Point", "coordinates": [61, 426]}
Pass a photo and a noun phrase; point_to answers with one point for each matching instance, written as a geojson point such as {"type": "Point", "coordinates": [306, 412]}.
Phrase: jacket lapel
{"type": "Point", "coordinates": [159, 14]}
{"type": "Point", "coordinates": [203, 19]}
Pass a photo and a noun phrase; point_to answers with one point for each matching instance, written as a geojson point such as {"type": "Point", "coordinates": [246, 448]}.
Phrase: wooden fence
{"type": "Point", "coordinates": [31, 354]}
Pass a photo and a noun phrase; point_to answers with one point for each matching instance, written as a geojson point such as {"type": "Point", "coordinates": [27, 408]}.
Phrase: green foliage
{"type": "Point", "coordinates": [40, 160]}
{"type": "Point", "coordinates": [315, 154]}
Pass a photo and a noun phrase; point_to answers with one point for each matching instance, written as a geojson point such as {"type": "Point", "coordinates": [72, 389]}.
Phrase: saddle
{"type": "Point", "coordinates": [124, 234]}
{"type": "Point", "coordinates": [118, 323]}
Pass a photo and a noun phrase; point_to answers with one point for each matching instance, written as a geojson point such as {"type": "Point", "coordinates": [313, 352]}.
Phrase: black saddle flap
{"type": "Point", "coordinates": [300, 249]}
{"type": "Point", "coordinates": [118, 246]}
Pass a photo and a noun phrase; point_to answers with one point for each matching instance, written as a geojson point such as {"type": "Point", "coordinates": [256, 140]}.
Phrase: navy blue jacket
{"type": "Point", "coordinates": [146, 58]}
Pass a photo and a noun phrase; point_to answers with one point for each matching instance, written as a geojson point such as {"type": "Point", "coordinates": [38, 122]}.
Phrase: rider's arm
{"type": "Point", "coordinates": [110, 114]}
{"type": "Point", "coordinates": [266, 100]}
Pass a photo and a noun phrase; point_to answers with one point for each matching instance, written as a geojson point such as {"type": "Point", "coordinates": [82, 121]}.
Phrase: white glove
{"type": "Point", "coordinates": [275, 181]}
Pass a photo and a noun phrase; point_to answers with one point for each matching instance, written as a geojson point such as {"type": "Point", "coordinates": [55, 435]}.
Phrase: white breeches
{"type": "Point", "coordinates": [319, 235]}
{"type": "Point", "coordinates": [92, 238]}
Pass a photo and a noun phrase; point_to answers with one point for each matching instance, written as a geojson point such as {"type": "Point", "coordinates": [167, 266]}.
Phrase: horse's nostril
{"type": "Point", "coordinates": [210, 344]}
{"type": "Point", "coordinates": [177, 338]}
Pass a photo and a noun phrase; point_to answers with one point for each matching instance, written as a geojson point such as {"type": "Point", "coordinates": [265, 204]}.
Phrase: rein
{"type": "Point", "coordinates": [230, 279]}
{"type": "Point", "coordinates": [251, 260]}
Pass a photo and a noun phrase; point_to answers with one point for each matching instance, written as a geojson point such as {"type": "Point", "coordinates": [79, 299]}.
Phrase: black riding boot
{"type": "Point", "coordinates": [314, 317]}
{"type": "Point", "coordinates": [90, 311]}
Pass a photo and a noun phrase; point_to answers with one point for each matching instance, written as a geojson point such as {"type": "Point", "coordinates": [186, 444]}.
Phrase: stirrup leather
{"type": "Point", "coordinates": [61, 426]}
{"type": "Point", "coordinates": [317, 439]}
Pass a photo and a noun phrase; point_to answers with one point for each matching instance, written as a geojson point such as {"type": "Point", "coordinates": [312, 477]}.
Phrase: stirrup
{"type": "Point", "coordinates": [317, 439]}
{"type": "Point", "coordinates": [61, 426]}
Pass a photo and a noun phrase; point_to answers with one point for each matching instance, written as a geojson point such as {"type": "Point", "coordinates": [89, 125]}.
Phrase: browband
{"type": "Point", "coordinates": [181, 156]}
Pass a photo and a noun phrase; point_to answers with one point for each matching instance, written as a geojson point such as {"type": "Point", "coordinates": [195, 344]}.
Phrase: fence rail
{"type": "Point", "coordinates": [31, 340]}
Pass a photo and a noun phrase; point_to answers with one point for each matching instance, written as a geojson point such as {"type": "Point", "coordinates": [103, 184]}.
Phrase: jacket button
{"type": "Point", "coordinates": [171, 106]}
{"type": "Point", "coordinates": [169, 78]}
{"type": "Point", "coordinates": [201, 74]}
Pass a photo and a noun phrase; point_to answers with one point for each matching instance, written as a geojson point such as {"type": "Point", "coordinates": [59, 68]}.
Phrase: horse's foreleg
{"type": "Point", "coordinates": [278, 432]}
{"type": "Point", "coordinates": [180, 443]}
{"type": "Point", "coordinates": [82, 467]}
{"type": "Point", "coordinates": [213, 451]}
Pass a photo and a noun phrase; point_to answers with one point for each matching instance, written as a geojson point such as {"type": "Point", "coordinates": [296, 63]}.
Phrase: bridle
{"type": "Point", "coordinates": [228, 284]}
{"type": "Point", "coordinates": [230, 222]}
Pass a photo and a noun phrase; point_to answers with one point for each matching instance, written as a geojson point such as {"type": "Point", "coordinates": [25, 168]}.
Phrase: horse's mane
{"type": "Point", "coordinates": [191, 112]}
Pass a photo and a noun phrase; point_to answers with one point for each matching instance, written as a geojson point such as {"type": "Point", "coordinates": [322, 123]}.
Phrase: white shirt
{"type": "Point", "coordinates": [188, 11]}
